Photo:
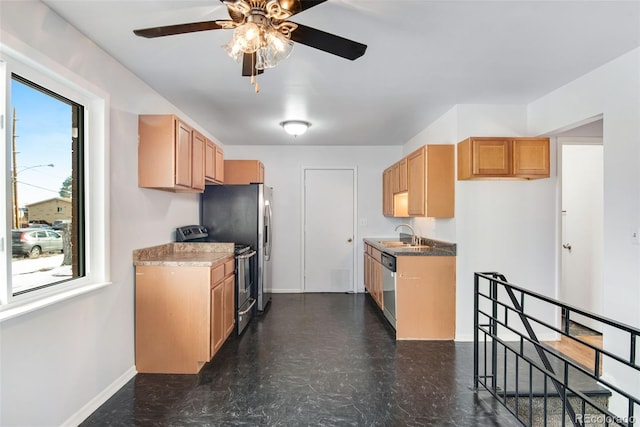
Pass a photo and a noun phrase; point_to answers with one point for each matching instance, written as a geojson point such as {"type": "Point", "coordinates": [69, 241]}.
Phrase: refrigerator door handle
{"type": "Point", "coordinates": [267, 226]}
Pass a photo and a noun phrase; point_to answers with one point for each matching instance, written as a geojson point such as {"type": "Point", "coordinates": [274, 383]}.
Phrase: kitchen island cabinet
{"type": "Point", "coordinates": [425, 288]}
{"type": "Point", "coordinates": [184, 306]}
{"type": "Point", "coordinates": [425, 297]}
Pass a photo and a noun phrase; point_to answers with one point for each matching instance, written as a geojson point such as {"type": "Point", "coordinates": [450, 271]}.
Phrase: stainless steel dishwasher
{"type": "Point", "coordinates": [389, 287]}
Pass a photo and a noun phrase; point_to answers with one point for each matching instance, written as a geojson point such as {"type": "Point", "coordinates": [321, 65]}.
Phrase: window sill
{"type": "Point", "coordinates": [18, 309]}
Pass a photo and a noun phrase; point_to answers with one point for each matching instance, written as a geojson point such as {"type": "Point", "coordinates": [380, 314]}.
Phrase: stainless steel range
{"type": "Point", "coordinates": [245, 299]}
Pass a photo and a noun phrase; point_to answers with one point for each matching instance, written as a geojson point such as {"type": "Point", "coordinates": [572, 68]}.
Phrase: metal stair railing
{"type": "Point", "coordinates": [486, 291]}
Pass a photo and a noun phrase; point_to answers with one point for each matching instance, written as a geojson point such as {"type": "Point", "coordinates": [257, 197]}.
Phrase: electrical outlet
{"type": "Point", "coordinates": [363, 222]}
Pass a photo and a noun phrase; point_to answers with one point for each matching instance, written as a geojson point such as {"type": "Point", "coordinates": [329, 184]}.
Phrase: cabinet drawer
{"type": "Point", "coordinates": [217, 274]}
{"type": "Point", "coordinates": [229, 266]}
{"type": "Point", "coordinates": [376, 254]}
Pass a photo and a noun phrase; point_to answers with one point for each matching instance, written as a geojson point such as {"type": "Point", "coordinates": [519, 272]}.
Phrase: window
{"type": "Point", "coordinates": [46, 171]}
{"type": "Point", "coordinates": [54, 133]}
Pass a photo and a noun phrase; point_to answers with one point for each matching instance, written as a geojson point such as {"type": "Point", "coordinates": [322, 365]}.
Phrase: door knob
{"type": "Point", "coordinates": [567, 246]}
{"type": "Point", "coordinates": [349, 240]}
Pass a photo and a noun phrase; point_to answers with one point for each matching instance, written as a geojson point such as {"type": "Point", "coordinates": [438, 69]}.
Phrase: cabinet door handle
{"type": "Point", "coordinates": [567, 246]}
{"type": "Point", "coordinates": [349, 240]}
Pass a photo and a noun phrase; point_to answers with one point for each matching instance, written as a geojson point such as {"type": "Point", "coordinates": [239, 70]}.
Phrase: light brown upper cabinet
{"type": "Point", "coordinates": [399, 177]}
{"type": "Point", "coordinates": [387, 192]}
{"type": "Point", "coordinates": [421, 184]}
{"type": "Point", "coordinates": [243, 172]}
{"type": "Point", "coordinates": [430, 181]}
{"type": "Point", "coordinates": [503, 157]}
{"type": "Point", "coordinates": [198, 145]}
{"type": "Point", "coordinates": [170, 154]}
{"type": "Point", "coordinates": [402, 175]}
{"type": "Point", "coordinates": [214, 163]}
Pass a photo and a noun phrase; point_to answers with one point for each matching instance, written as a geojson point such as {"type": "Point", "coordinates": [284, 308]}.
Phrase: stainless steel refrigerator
{"type": "Point", "coordinates": [242, 214]}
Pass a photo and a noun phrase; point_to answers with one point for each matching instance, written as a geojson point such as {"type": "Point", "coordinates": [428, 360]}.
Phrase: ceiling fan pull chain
{"type": "Point", "coordinates": [254, 78]}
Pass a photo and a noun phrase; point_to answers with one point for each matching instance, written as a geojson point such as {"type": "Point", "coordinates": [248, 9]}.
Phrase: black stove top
{"type": "Point", "coordinates": [199, 234]}
{"type": "Point", "coordinates": [240, 248]}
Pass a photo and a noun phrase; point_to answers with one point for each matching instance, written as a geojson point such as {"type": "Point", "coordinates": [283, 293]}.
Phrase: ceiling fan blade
{"type": "Point", "coordinates": [297, 6]}
{"type": "Point", "coordinates": [170, 30]}
{"type": "Point", "coordinates": [307, 4]}
{"type": "Point", "coordinates": [248, 61]}
{"type": "Point", "coordinates": [327, 42]}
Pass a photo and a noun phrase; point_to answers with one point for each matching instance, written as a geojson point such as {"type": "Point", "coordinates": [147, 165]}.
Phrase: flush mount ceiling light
{"type": "Point", "coordinates": [295, 127]}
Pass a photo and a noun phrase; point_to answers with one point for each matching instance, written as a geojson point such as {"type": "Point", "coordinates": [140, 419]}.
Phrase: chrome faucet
{"type": "Point", "coordinates": [414, 238]}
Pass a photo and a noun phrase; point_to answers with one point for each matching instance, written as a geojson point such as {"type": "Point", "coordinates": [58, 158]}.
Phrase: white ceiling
{"type": "Point", "coordinates": [423, 57]}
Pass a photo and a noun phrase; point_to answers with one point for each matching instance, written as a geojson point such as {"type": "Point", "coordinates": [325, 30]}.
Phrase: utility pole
{"type": "Point", "coordinates": [14, 178]}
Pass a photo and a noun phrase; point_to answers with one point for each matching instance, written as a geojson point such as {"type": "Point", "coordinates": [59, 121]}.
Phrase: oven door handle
{"type": "Point", "coordinates": [243, 312]}
{"type": "Point", "coordinates": [247, 255]}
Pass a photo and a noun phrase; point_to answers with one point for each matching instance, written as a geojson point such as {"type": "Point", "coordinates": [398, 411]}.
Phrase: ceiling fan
{"type": "Point", "coordinates": [263, 34]}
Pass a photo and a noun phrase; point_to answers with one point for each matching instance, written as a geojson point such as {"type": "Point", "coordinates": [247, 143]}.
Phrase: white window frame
{"type": "Point", "coordinates": [20, 59]}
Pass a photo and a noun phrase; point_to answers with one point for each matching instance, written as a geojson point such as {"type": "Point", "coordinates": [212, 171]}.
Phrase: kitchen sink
{"type": "Point", "coordinates": [403, 245]}
{"type": "Point", "coordinates": [393, 244]}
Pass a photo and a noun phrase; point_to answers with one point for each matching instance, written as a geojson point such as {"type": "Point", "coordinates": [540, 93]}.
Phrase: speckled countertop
{"type": "Point", "coordinates": [183, 254]}
{"type": "Point", "coordinates": [429, 247]}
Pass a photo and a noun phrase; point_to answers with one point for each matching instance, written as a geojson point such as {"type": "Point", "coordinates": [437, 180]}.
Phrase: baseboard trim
{"type": "Point", "coordinates": [100, 399]}
{"type": "Point", "coordinates": [302, 291]}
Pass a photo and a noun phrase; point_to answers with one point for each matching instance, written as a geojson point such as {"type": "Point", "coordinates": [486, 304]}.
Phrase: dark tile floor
{"type": "Point", "coordinates": [314, 360]}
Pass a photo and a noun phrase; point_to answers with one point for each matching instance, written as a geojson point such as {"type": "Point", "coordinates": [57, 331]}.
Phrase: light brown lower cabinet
{"type": "Point", "coordinates": [425, 297]}
{"type": "Point", "coordinates": [373, 274]}
{"type": "Point", "coordinates": [183, 316]}
{"type": "Point", "coordinates": [425, 294]}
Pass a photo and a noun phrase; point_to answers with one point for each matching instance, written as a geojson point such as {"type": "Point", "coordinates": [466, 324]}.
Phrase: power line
{"type": "Point", "coordinates": [36, 186]}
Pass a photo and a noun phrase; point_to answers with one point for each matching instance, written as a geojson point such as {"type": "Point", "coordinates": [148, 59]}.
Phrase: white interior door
{"type": "Point", "coordinates": [329, 230]}
{"type": "Point", "coordinates": [582, 228]}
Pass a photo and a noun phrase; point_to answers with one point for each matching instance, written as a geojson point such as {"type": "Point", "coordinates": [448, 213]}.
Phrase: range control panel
{"type": "Point", "coordinates": [191, 232]}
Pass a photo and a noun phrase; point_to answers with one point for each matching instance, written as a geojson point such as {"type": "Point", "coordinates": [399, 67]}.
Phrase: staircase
{"type": "Point", "coordinates": [553, 383]}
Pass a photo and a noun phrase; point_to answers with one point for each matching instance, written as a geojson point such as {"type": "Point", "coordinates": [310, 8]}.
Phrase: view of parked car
{"type": "Point", "coordinates": [58, 224]}
{"type": "Point", "coordinates": [33, 242]}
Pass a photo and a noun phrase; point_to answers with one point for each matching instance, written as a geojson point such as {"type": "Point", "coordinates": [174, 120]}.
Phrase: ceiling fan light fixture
{"type": "Point", "coordinates": [276, 47]}
{"type": "Point", "coordinates": [271, 45]}
{"type": "Point", "coordinates": [295, 127]}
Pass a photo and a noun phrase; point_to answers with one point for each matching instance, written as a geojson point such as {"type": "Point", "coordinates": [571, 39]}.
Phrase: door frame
{"type": "Point", "coordinates": [560, 142]}
{"type": "Point", "coordinates": [354, 264]}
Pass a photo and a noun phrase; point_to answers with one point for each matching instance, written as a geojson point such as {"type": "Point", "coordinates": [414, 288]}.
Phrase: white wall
{"type": "Point", "coordinates": [503, 226]}
{"type": "Point", "coordinates": [442, 131]}
{"type": "Point", "coordinates": [283, 172]}
{"type": "Point", "coordinates": [56, 360]}
{"type": "Point", "coordinates": [612, 91]}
